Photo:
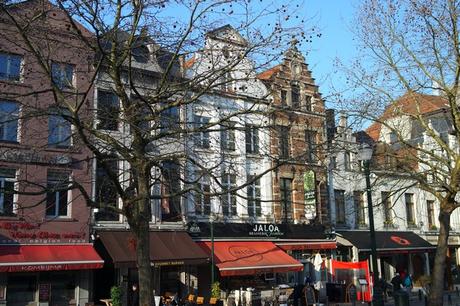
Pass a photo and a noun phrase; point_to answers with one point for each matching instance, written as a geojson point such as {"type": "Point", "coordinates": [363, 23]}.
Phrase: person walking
{"type": "Point", "coordinates": [408, 283]}
{"type": "Point", "coordinates": [396, 282]}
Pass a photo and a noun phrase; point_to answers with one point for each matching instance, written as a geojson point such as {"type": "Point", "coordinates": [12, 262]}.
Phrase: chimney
{"type": "Point", "coordinates": [343, 120]}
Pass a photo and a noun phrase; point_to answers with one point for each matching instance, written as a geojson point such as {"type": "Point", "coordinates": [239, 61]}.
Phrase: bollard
{"type": "Point", "coordinates": [419, 294]}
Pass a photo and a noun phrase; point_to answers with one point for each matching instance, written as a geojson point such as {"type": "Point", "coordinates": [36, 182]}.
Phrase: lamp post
{"type": "Point", "coordinates": [365, 155]}
{"type": "Point", "coordinates": [211, 219]}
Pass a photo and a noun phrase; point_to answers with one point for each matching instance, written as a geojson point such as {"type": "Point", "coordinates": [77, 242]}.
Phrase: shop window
{"type": "Point", "coordinates": [57, 200]}
{"type": "Point", "coordinates": [360, 210]}
{"type": "Point", "coordinates": [201, 135]}
{"type": "Point", "coordinates": [62, 286]}
{"type": "Point", "coordinates": [228, 199]}
{"type": "Point", "coordinates": [62, 75]}
{"type": "Point", "coordinates": [21, 289]}
{"type": "Point", "coordinates": [7, 179]}
{"type": "Point", "coordinates": [410, 213]}
{"type": "Point", "coordinates": [430, 214]}
{"type": "Point", "coordinates": [295, 96]}
{"type": "Point", "coordinates": [310, 141]}
{"type": "Point", "coordinates": [108, 110]}
{"type": "Point", "coordinates": [252, 139]}
{"type": "Point", "coordinates": [339, 206]}
{"type": "Point", "coordinates": [170, 191]}
{"type": "Point", "coordinates": [283, 141]}
{"type": "Point", "coordinates": [202, 196]}
{"type": "Point", "coordinates": [286, 198]}
{"type": "Point", "coordinates": [59, 129]}
{"type": "Point", "coordinates": [106, 192]}
{"type": "Point", "coordinates": [227, 136]}
{"type": "Point", "coordinates": [253, 197]}
{"type": "Point", "coordinates": [387, 208]}
{"type": "Point", "coordinates": [9, 117]}
{"type": "Point", "coordinates": [10, 67]}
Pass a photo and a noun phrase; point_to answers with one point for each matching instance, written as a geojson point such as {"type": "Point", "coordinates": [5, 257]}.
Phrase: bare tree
{"type": "Point", "coordinates": [143, 74]}
{"type": "Point", "coordinates": [406, 81]}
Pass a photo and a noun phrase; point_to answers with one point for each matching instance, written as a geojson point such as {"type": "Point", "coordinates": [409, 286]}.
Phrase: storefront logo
{"type": "Point", "coordinates": [400, 240]}
{"type": "Point", "coordinates": [266, 230]}
{"type": "Point", "coordinates": [245, 253]}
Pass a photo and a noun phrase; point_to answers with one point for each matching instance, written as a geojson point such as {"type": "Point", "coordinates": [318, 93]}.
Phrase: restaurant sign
{"type": "Point", "coordinates": [266, 230]}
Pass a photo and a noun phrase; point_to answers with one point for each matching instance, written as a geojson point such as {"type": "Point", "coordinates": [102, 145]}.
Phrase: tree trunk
{"type": "Point", "coordinates": [437, 277]}
{"type": "Point", "coordinates": [139, 223]}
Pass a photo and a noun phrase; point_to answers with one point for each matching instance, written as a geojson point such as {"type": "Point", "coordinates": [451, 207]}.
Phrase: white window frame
{"type": "Point", "coordinates": [256, 196]}
{"type": "Point", "coordinates": [17, 121]}
{"type": "Point", "coordinates": [69, 202]}
{"type": "Point", "coordinates": [4, 179]}
{"type": "Point", "coordinates": [62, 71]}
{"type": "Point", "coordinates": [21, 66]}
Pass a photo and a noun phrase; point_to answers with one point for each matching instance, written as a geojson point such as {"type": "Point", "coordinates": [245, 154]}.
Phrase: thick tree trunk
{"type": "Point", "coordinates": [139, 223]}
{"type": "Point", "coordinates": [437, 277]}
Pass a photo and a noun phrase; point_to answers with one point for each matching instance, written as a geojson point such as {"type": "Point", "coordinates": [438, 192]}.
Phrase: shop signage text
{"type": "Point", "coordinates": [168, 263]}
{"type": "Point", "coordinates": [266, 230]}
{"type": "Point", "coordinates": [29, 232]}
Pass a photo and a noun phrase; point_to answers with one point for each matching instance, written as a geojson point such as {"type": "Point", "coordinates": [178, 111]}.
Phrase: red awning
{"type": "Point", "coordinates": [307, 245]}
{"type": "Point", "coordinates": [31, 258]}
{"type": "Point", "coordinates": [247, 258]}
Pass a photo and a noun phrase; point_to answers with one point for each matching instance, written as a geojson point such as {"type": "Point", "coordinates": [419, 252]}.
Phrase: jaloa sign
{"type": "Point", "coordinates": [266, 230]}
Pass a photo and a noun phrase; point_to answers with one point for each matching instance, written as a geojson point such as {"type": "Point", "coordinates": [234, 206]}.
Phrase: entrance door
{"type": "Point", "coordinates": [22, 289]}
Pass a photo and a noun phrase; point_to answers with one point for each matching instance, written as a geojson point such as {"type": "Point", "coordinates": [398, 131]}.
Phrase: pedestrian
{"type": "Point", "coordinates": [134, 295]}
{"type": "Point", "coordinates": [408, 283]}
{"type": "Point", "coordinates": [396, 282]}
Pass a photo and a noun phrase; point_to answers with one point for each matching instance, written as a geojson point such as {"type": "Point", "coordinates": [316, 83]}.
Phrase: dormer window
{"type": "Point", "coordinates": [308, 103]}
{"type": "Point", "coordinates": [141, 54]}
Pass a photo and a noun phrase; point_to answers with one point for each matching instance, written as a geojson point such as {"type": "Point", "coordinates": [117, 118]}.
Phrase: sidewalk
{"type": "Point", "coordinates": [450, 299]}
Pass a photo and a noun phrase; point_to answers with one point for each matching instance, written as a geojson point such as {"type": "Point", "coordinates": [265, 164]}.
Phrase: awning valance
{"type": "Point", "coordinates": [249, 257]}
{"type": "Point", "coordinates": [388, 241]}
{"type": "Point", "coordinates": [307, 245]}
{"type": "Point", "coordinates": [31, 258]}
{"type": "Point", "coordinates": [166, 248]}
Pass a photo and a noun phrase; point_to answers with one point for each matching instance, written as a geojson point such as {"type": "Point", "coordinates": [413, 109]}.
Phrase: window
{"type": "Point", "coordinates": [253, 194]}
{"type": "Point", "coordinates": [201, 136]}
{"type": "Point", "coordinates": [228, 199]}
{"type": "Point", "coordinates": [106, 192]}
{"type": "Point", "coordinates": [10, 67]}
{"type": "Point", "coordinates": [170, 119]}
{"type": "Point", "coordinates": [59, 130]}
{"type": "Point", "coordinates": [170, 189]}
{"type": "Point", "coordinates": [57, 194]}
{"type": "Point", "coordinates": [252, 139]}
{"type": "Point", "coordinates": [346, 161]}
{"type": "Point", "coordinates": [310, 141]}
{"type": "Point", "coordinates": [108, 110]}
{"type": "Point", "coordinates": [7, 178]}
{"type": "Point", "coordinates": [62, 75]}
{"type": "Point", "coordinates": [360, 210]}
{"type": "Point", "coordinates": [333, 162]}
{"type": "Point", "coordinates": [9, 117]}
{"type": "Point", "coordinates": [295, 96]}
{"type": "Point", "coordinates": [430, 214]}
{"type": "Point", "coordinates": [283, 97]}
{"type": "Point", "coordinates": [410, 214]}
{"type": "Point", "coordinates": [202, 196]}
{"type": "Point", "coordinates": [286, 198]}
{"type": "Point", "coordinates": [225, 81]}
{"type": "Point", "coordinates": [308, 103]}
{"type": "Point", "coordinates": [339, 206]}
{"type": "Point", "coordinates": [283, 136]}
{"type": "Point", "coordinates": [386, 204]}
{"type": "Point", "coordinates": [227, 136]}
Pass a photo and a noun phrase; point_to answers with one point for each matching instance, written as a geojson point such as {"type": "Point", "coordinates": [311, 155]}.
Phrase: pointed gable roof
{"type": "Point", "coordinates": [228, 34]}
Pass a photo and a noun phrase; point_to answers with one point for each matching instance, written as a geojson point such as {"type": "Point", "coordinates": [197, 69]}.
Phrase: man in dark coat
{"type": "Point", "coordinates": [396, 281]}
{"type": "Point", "coordinates": [134, 295]}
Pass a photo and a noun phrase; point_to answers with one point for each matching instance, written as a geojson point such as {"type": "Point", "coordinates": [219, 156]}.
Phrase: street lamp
{"type": "Point", "coordinates": [212, 218]}
{"type": "Point", "coordinates": [365, 155]}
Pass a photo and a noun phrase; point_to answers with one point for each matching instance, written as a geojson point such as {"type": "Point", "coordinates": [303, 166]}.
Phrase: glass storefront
{"type": "Point", "coordinates": [58, 288]}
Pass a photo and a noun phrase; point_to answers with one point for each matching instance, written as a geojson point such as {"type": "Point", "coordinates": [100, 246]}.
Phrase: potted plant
{"type": "Point", "coordinates": [215, 293]}
{"type": "Point", "coordinates": [116, 296]}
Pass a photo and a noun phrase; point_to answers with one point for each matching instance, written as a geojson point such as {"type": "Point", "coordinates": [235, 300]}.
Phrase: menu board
{"type": "Point", "coordinates": [44, 292]}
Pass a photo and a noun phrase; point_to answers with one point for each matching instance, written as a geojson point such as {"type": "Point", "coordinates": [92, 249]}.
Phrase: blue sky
{"type": "Point", "coordinates": [334, 18]}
